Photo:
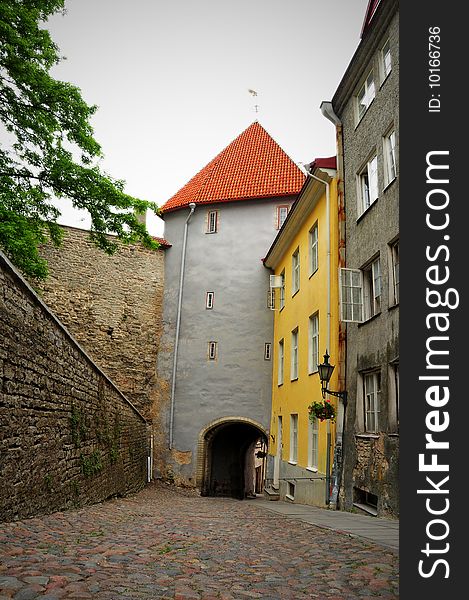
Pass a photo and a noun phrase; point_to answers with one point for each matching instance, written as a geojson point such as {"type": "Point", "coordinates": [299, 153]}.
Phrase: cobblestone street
{"type": "Point", "coordinates": [170, 543]}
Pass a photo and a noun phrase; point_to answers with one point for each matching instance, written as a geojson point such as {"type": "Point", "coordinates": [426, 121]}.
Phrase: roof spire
{"type": "Point", "coordinates": [254, 94]}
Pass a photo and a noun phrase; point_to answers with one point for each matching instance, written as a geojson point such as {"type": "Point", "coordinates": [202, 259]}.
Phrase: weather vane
{"type": "Point", "coordinates": [253, 94]}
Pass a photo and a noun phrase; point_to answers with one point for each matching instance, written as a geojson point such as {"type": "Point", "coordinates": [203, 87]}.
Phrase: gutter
{"type": "Point", "coordinates": [178, 326]}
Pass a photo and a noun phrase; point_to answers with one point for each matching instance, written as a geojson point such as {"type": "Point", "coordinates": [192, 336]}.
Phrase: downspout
{"type": "Point", "coordinates": [178, 325]}
{"type": "Point", "coordinates": [328, 111]}
{"type": "Point", "coordinates": [328, 244]}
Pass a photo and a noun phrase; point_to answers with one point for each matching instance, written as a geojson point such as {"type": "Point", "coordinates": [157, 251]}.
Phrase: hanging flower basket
{"type": "Point", "coordinates": [322, 410]}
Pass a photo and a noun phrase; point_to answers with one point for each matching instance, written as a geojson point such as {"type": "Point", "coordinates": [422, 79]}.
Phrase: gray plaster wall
{"type": "Point", "coordinates": [228, 263]}
{"type": "Point", "coordinates": [371, 462]}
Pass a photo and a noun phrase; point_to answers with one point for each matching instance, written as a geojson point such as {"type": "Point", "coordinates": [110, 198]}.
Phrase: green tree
{"type": "Point", "coordinates": [47, 148]}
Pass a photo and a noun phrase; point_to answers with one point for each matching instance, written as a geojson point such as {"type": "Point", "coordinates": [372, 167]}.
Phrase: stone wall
{"type": "Point", "coordinates": [113, 306]}
{"type": "Point", "coordinates": [68, 436]}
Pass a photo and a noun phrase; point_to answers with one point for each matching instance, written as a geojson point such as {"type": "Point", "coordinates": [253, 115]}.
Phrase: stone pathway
{"type": "Point", "coordinates": [173, 544]}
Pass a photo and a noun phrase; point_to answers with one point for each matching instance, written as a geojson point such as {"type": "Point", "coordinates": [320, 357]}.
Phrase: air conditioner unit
{"type": "Point", "coordinates": [276, 281]}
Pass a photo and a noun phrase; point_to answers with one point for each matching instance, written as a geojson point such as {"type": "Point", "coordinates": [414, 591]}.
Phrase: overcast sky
{"type": "Point", "coordinates": [171, 80]}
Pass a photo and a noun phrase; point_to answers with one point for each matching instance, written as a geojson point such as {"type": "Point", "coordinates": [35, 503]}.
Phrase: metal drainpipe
{"type": "Point", "coordinates": [178, 324]}
{"type": "Point", "coordinates": [328, 228]}
{"type": "Point", "coordinates": [327, 111]}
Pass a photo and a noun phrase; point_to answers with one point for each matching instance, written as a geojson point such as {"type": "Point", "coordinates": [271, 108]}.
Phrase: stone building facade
{"type": "Point", "coordinates": [68, 436]}
{"type": "Point", "coordinates": [365, 109]}
{"type": "Point", "coordinates": [112, 305]}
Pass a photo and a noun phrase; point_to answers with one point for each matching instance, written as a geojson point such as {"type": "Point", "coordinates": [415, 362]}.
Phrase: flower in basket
{"type": "Point", "coordinates": [322, 410]}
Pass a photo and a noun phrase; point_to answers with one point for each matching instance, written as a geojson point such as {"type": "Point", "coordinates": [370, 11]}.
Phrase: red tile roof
{"type": "Point", "coordinates": [252, 166]}
{"type": "Point", "coordinates": [162, 242]}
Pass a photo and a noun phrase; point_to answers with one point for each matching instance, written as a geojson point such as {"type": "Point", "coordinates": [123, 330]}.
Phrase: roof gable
{"type": "Point", "coordinates": [252, 166]}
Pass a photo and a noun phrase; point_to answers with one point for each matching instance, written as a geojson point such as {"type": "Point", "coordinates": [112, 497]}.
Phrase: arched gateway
{"type": "Point", "coordinates": [227, 452]}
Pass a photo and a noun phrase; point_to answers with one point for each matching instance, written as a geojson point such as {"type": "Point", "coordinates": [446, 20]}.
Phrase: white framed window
{"type": "Point", "coordinates": [365, 95]}
{"type": "Point", "coordinates": [267, 351]}
{"type": "Point", "coordinates": [393, 391]}
{"type": "Point", "coordinates": [390, 165]}
{"type": "Point", "coordinates": [295, 267]}
{"type": "Point", "coordinates": [360, 292]}
{"type": "Point", "coordinates": [281, 214]}
{"type": "Point", "coordinates": [212, 350]}
{"type": "Point", "coordinates": [293, 438]}
{"type": "Point", "coordinates": [368, 185]}
{"type": "Point", "coordinates": [385, 59]}
{"type": "Point", "coordinates": [294, 355]}
{"type": "Point", "coordinates": [371, 399]}
{"type": "Point", "coordinates": [209, 299]}
{"type": "Point", "coordinates": [313, 249]}
{"type": "Point", "coordinates": [313, 347]}
{"type": "Point", "coordinates": [394, 274]}
{"type": "Point", "coordinates": [282, 290]}
{"type": "Point", "coordinates": [313, 445]}
{"type": "Point", "coordinates": [281, 357]}
{"type": "Point", "coordinates": [351, 295]}
{"type": "Point", "coordinates": [212, 221]}
{"type": "Point", "coordinates": [372, 289]}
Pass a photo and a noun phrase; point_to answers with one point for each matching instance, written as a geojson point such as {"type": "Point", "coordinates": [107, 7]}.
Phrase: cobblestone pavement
{"type": "Point", "coordinates": [170, 543]}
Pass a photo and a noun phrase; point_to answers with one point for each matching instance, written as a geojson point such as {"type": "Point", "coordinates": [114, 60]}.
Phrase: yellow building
{"type": "Point", "coordinates": [304, 260]}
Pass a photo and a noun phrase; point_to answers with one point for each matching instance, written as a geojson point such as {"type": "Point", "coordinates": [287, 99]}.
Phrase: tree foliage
{"type": "Point", "coordinates": [47, 148]}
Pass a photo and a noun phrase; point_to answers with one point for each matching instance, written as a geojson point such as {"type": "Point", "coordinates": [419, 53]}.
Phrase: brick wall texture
{"type": "Point", "coordinates": [68, 436]}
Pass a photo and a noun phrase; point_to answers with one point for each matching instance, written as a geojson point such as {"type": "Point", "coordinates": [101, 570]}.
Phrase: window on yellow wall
{"type": "Point", "coordinates": [282, 290]}
{"type": "Point", "coordinates": [293, 438]}
{"type": "Point", "coordinates": [313, 345]}
{"type": "Point", "coordinates": [313, 249]}
{"type": "Point", "coordinates": [295, 283]}
{"type": "Point", "coordinates": [294, 355]}
{"type": "Point", "coordinates": [313, 438]}
{"type": "Point", "coordinates": [281, 353]}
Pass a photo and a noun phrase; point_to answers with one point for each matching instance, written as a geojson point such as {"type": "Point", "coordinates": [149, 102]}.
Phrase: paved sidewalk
{"type": "Point", "coordinates": [171, 544]}
{"type": "Point", "coordinates": [380, 531]}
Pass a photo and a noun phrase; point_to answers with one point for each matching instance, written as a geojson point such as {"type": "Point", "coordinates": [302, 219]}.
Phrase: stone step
{"type": "Point", "coordinates": [271, 493]}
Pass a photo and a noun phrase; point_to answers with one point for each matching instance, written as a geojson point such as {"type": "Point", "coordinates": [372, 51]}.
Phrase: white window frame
{"type": "Point", "coordinates": [209, 300]}
{"type": "Point", "coordinates": [295, 268]}
{"type": "Point", "coordinates": [282, 290]}
{"type": "Point", "coordinates": [389, 153]}
{"type": "Point", "coordinates": [281, 361]}
{"type": "Point", "coordinates": [212, 221]}
{"type": "Point", "coordinates": [394, 273]}
{"type": "Point", "coordinates": [360, 292]}
{"type": "Point", "coordinates": [351, 295]}
{"type": "Point", "coordinates": [313, 343]}
{"type": "Point", "coordinates": [365, 95]}
{"type": "Point", "coordinates": [294, 355]}
{"type": "Point", "coordinates": [267, 351]}
{"type": "Point", "coordinates": [282, 214]}
{"type": "Point", "coordinates": [293, 438]}
{"type": "Point", "coordinates": [385, 60]}
{"type": "Point", "coordinates": [313, 444]}
{"type": "Point", "coordinates": [393, 393]}
{"type": "Point", "coordinates": [372, 288]}
{"type": "Point", "coordinates": [313, 249]}
{"type": "Point", "coordinates": [212, 350]}
{"type": "Point", "coordinates": [371, 401]}
{"type": "Point", "coordinates": [367, 181]}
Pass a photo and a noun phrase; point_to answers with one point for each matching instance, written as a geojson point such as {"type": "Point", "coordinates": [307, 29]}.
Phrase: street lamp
{"type": "Point", "coordinates": [325, 372]}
